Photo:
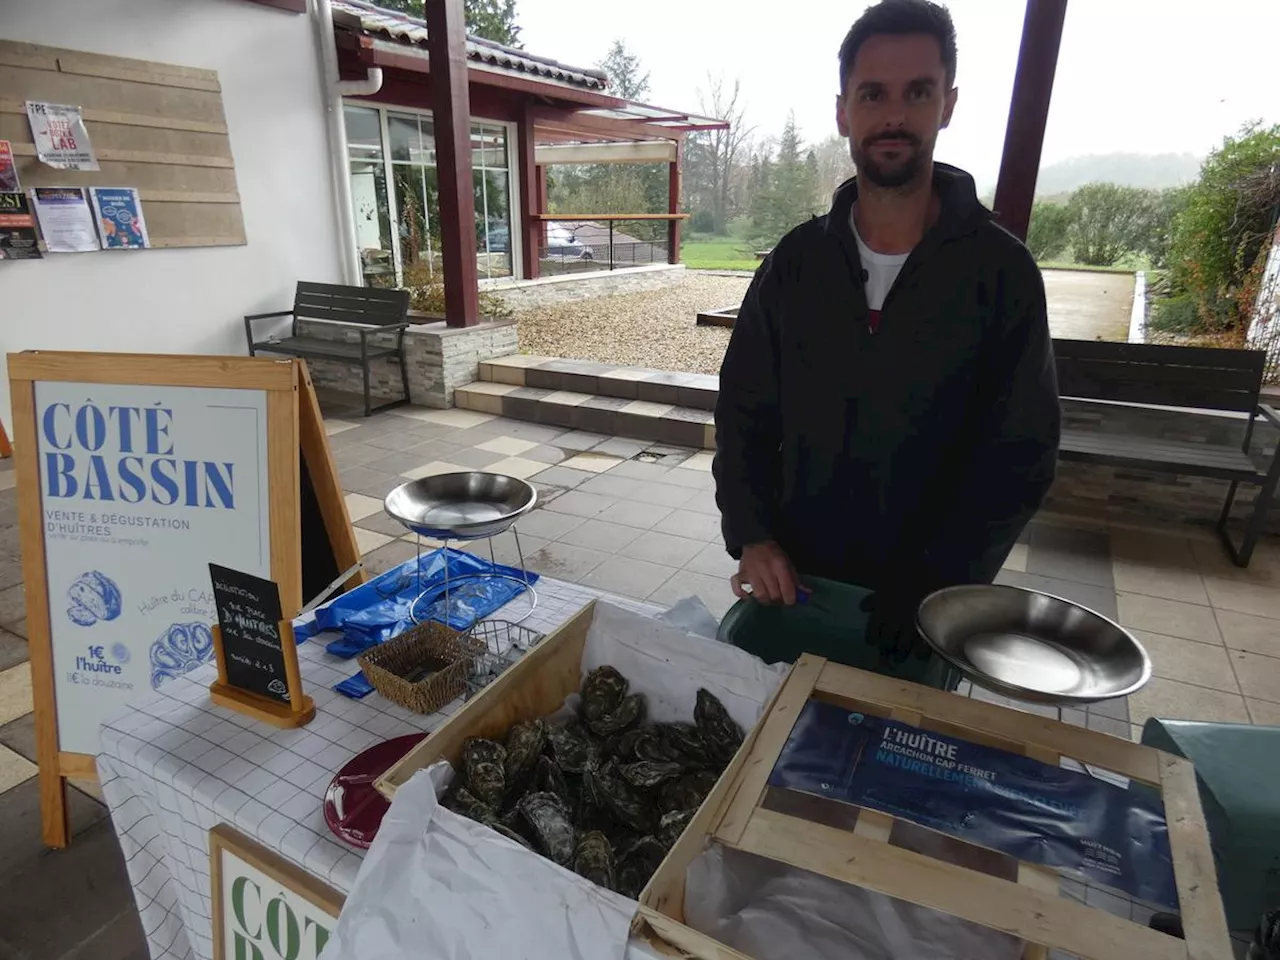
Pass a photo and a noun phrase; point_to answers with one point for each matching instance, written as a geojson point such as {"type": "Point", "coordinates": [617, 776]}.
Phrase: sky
{"type": "Point", "coordinates": [1132, 76]}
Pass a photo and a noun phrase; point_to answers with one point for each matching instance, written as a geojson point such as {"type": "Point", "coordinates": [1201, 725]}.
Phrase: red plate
{"type": "Point", "coordinates": [353, 808]}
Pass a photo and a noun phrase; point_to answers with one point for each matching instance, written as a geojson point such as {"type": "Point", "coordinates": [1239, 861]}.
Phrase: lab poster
{"type": "Point", "coordinates": [1057, 817]}
{"type": "Point", "coordinates": [66, 222]}
{"type": "Point", "coordinates": [17, 228]}
{"type": "Point", "coordinates": [121, 225]}
{"type": "Point", "coordinates": [141, 488]}
{"type": "Point", "coordinates": [60, 136]}
{"type": "Point", "coordinates": [8, 169]}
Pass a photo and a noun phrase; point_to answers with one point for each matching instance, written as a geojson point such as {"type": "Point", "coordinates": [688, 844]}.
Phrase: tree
{"type": "Point", "coordinates": [1049, 231]}
{"type": "Point", "coordinates": [489, 19]}
{"type": "Point", "coordinates": [712, 157]}
{"type": "Point", "coordinates": [788, 189]}
{"type": "Point", "coordinates": [1220, 236]}
{"type": "Point", "coordinates": [627, 77]}
{"type": "Point", "coordinates": [1162, 209]}
{"type": "Point", "coordinates": [835, 164]}
{"type": "Point", "coordinates": [1106, 222]}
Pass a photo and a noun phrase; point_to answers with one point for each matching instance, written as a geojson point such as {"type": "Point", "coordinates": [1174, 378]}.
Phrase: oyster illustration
{"type": "Point", "coordinates": [180, 649]}
{"type": "Point", "coordinates": [593, 859]}
{"type": "Point", "coordinates": [630, 712]}
{"type": "Point", "coordinates": [602, 691]}
{"type": "Point", "coordinates": [93, 596]}
{"type": "Point", "coordinates": [721, 735]}
{"type": "Point", "coordinates": [548, 820]}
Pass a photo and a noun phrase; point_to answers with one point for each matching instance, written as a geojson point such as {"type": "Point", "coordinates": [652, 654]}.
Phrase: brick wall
{"type": "Point", "coordinates": [1113, 493]}
{"type": "Point", "coordinates": [441, 358]}
{"type": "Point", "coordinates": [528, 294]}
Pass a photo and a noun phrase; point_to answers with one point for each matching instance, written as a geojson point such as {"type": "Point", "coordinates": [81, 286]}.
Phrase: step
{"type": "Point", "coordinates": [694, 390]}
{"type": "Point", "coordinates": [610, 416]}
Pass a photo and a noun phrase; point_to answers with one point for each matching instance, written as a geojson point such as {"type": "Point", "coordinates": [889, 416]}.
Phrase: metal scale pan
{"type": "Point", "coordinates": [1032, 646]}
{"type": "Point", "coordinates": [464, 506]}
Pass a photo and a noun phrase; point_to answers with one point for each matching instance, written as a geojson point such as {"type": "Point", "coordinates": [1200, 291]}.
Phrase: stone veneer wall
{"type": "Point", "coordinates": [441, 358]}
{"type": "Point", "coordinates": [527, 294]}
{"type": "Point", "coordinates": [1114, 493]}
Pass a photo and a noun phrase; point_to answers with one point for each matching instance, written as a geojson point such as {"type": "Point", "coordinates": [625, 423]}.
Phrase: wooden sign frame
{"type": "Point", "coordinates": [294, 430]}
{"type": "Point", "coordinates": [225, 839]}
{"type": "Point", "coordinates": [300, 709]}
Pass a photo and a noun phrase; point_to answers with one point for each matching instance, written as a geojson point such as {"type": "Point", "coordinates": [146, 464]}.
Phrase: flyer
{"type": "Point", "coordinates": [65, 219]}
{"type": "Point", "coordinates": [120, 221]}
{"type": "Point", "coordinates": [60, 136]}
{"type": "Point", "coordinates": [8, 169]}
{"type": "Point", "coordinates": [17, 228]}
{"type": "Point", "coordinates": [1052, 816]}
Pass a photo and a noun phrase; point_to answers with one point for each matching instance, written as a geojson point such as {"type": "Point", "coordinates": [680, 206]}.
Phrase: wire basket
{"type": "Point", "coordinates": [423, 668]}
{"type": "Point", "coordinates": [501, 643]}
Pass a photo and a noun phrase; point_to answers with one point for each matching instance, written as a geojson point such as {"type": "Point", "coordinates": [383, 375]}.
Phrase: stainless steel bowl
{"type": "Point", "coordinates": [1032, 646]}
{"type": "Point", "coordinates": [460, 506]}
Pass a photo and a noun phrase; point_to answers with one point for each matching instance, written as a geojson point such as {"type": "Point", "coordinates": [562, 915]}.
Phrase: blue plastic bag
{"type": "Point", "coordinates": [376, 611]}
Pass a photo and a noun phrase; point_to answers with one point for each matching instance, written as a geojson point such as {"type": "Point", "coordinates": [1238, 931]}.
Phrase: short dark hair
{"type": "Point", "coordinates": [900, 17]}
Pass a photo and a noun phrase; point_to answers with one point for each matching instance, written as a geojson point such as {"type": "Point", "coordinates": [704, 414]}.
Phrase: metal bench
{"type": "Point", "coordinates": [370, 310]}
{"type": "Point", "coordinates": [1187, 378]}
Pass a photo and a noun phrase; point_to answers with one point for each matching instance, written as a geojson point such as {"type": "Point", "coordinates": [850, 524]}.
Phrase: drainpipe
{"type": "Point", "coordinates": [340, 166]}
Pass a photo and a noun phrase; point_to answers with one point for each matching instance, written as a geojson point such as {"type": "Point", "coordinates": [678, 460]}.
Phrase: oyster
{"type": "Point", "coordinates": [630, 712]}
{"type": "Point", "coordinates": [483, 769]}
{"type": "Point", "coordinates": [461, 800]}
{"type": "Point", "coordinates": [721, 735]}
{"type": "Point", "coordinates": [685, 740]}
{"type": "Point", "coordinates": [549, 778]}
{"type": "Point", "coordinates": [623, 747]}
{"type": "Point", "coordinates": [638, 864]}
{"type": "Point", "coordinates": [672, 825]}
{"type": "Point", "coordinates": [651, 745]}
{"type": "Point", "coordinates": [649, 773]}
{"type": "Point", "coordinates": [500, 827]}
{"type": "Point", "coordinates": [686, 792]}
{"type": "Point", "coordinates": [548, 820]}
{"type": "Point", "coordinates": [593, 859]}
{"type": "Point", "coordinates": [572, 749]}
{"type": "Point", "coordinates": [619, 798]}
{"type": "Point", "coordinates": [525, 742]}
{"type": "Point", "coordinates": [602, 691]}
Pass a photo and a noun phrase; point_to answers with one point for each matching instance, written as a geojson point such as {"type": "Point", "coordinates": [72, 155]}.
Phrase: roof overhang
{"type": "Point", "coordinates": [644, 151]}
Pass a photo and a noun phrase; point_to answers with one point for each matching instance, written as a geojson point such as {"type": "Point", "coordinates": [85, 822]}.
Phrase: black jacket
{"type": "Point", "coordinates": [911, 457]}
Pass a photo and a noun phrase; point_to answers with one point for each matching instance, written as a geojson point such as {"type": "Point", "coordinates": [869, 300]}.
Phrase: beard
{"type": "Point", "coordinates": [901, 172]}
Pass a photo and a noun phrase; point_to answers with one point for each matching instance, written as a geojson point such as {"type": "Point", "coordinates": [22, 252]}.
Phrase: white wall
{"type": "Point", "coordinates": [189, 300]}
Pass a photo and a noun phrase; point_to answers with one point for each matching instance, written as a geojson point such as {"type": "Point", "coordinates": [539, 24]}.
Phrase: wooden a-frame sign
{"type": "Point", "coordinates": [135, 471]}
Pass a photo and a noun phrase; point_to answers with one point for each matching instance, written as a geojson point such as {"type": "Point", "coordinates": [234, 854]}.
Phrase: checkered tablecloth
{"type": "Point", "coordinates": [176, 765]}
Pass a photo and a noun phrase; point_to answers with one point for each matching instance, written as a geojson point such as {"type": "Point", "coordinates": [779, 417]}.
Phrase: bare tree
{"type": "Point", "coordinates": [724, 146]}
{"type": "Point", "coordinates": [835, 165]}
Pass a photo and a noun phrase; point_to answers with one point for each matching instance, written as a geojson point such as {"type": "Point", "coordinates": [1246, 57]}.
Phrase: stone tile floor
{"type": "Point", "coordinates": [640, 520]}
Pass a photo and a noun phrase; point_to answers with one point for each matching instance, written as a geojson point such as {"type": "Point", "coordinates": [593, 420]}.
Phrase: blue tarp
{"type": "Point", "coordinates": [380, 609]}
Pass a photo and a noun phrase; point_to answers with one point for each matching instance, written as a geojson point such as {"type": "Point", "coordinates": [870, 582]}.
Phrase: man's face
{"type": "Point", "coordinates": [895, 101]}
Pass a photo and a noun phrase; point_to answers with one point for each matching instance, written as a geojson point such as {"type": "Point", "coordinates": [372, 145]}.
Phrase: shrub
{"type": "Point", "coordinates": [1176, 315]}
{"type": "Point", "coordinates": [426, 293]}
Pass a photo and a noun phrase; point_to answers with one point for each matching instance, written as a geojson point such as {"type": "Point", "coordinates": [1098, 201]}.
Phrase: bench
{"type": "Point", "coordinates": [369, 310]}
{"type": "Point", "coordinates": [1185, 378]}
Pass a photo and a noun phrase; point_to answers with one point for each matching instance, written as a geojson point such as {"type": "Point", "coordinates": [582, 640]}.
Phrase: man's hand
{"type": "Point", "coordinates": [768, 571]}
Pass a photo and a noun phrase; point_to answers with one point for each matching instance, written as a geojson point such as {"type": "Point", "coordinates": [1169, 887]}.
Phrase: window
{"type": "Point", "coordinates": [398, 147]}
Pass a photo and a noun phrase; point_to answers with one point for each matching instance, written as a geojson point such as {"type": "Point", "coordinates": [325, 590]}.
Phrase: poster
{"type": "Point", "coordinates": [8, 169]}
{"type": "Point", "coordinates": [119, 214]}
{"type": "Point", "coordinates": [1043, 814]}
{"type": "Point", "coordinates": [141, 487]}
{"type": "Point", "coordinates": [17, 228]}
{"type": "Point", "coordinates": [66, 223]}
{"type": "Point", "coordinates": [60, 136]}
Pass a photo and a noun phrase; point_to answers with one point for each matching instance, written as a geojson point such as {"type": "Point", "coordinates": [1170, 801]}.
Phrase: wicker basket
{"type": "Point", "coordinates": [428, 644]}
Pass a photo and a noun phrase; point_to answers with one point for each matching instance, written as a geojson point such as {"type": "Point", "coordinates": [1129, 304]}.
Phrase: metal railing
{"type": "Point", "coordinates": [595, 242]}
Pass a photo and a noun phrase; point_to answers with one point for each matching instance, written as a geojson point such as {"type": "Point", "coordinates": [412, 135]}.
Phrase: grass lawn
{"type": "Point", "coordinates": [717, 254]}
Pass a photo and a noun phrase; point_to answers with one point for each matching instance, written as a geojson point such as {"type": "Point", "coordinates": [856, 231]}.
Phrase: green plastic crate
{"type": "Point", "coordinates": [831, 625]}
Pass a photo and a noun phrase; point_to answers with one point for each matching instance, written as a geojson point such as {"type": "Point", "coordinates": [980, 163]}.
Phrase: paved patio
{"type": "Point", "coordinates": [637, 519]}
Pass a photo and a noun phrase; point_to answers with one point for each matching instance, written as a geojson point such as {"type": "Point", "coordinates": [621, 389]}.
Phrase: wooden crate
{"type": "Point", "coordinates": [534, 687]}
{"type": "Point", "coordinates": [1027, 905]}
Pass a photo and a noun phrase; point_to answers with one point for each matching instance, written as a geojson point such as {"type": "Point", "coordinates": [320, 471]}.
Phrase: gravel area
{"type": "Point", "coordinates": [652, 328]}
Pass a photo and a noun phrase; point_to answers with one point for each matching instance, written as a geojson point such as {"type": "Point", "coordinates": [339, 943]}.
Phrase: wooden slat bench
{"type": "Point", "coordinates": [371, 310]}
{"type": "Point", "coordinates": [1185, 378]}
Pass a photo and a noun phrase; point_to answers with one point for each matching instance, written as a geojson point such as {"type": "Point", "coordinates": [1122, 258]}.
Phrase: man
{"type": "Point", "coordinates": [888, 412]}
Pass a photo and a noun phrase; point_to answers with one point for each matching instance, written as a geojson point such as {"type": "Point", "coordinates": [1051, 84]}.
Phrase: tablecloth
{"type": "Point", "coordinates": [176, 765]}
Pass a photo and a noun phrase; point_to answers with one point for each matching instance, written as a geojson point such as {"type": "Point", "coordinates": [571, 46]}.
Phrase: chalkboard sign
{"type": "Point", "coordinates": [249, 617]}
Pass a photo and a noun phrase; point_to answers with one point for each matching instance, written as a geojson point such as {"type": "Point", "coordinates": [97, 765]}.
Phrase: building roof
{"type": "Point", "coordinates": [411, 31]}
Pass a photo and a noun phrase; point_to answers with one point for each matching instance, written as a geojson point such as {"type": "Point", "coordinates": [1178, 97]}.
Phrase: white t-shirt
{"type": "Point", "coordinates": [881, 269]}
